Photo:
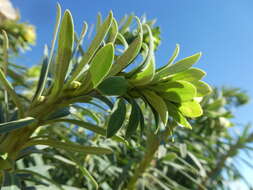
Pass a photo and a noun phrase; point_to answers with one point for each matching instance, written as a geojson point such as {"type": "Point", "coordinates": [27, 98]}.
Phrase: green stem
{"type": "Point", "coordinates": [153, 143]}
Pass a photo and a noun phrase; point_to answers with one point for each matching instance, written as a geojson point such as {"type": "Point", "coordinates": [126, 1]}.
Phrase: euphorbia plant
{"type": "Point", "coordinates": [70, 76]}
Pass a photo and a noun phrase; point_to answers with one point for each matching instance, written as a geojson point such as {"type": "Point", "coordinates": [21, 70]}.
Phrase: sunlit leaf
{"type": "Point", "coordinates": [101, 64]}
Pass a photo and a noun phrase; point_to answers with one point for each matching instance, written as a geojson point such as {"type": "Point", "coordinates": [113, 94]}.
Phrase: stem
{"type": "Point", "coordinates": [16, 139]}
{"type": "Point", "coordinates": [153, 143]}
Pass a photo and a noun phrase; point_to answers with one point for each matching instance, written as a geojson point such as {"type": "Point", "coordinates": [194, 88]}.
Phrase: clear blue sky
{"type": "Point", "coordinates": [221, 29]}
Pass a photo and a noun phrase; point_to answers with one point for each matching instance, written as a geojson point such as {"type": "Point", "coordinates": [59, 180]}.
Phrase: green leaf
{"type": "Point", "coordinates": [145, 75]}
{"type": "Point", "coordinates": [133, 119]}
{"type": "Point", "coordinates": [177, 116]}
{"type": "Point", "coordinates": [115, 85]}
{"type": "Point", "coordinates": [14, 125]}
{"type": "Point", "coordinates": [8, 87]}
{"type": "Point", "coordinates": [128, 56]}
{"type": "Point", "coordinates": [95, 44]}
{"type": "Point", "coordinates": [56, 28]}
{"type": "Point", "coordinates": [179, 66]}
{"type": "Point", "coordinates": [99, 21]}
{"type": "Point", "coordinates": [113, 31]}
{"type": "Point", "coordinates": [171, 60]}
{"type": "Point", "coordinates": [203, 88]}
{"type": "Point", "coordinates": [94, 128]}
{"type": "Point", "coordinates": [157, 103]}
{"type": "Point", "coordinates": [64, 53]}
{"type": "Point", "coordinates": [79, 41]}
{"type": "Point", "coordinates": [43, 75]}
{"type": "Point", "coordinates": [69, 146]}
{"type": "Point", "coordinates": [117, 118]}
{"type": "Point", "coordinates": [190, 109]}
{"type": "Point", "coordinates": [101, 64]}
{"type": "Point", "coordinates": [63, 112]}
{"type": "Point", "coordinates": [5, 52]}
{"type": "Point", "coordinates": [192, 74]}
{"type": "Point", "coordinates": [126, 24]}
{"type": "Point", "coordinates": [86, 125]}
{"type": "Point", "coordinates": [145, 51]}
{"type": "Point", "coordinates": [176, 91]}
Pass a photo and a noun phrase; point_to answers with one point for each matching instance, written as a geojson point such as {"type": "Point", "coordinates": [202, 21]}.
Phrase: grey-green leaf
{"type": "Point", "coordinates": [192, 74]}
{"type": "Point", "coordinates": [95, 44]}
{"type": "Point", "coordinates": [179, 66]}
{"type": "Point", "coordinates": [147, 73]}
{"type": "Point", "coordinates": [101, 64]}
{"type": "Point", "coordinates": [43, 75]}
{"type": "Point", "coordinates": [171, 60]}
{"type": "Point", "coordinates": [128, 56]}
{"type": "Point", "coordinates": [65, 48]}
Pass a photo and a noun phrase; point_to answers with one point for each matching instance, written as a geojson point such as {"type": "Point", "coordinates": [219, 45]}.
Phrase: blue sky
{"type": "Point", "coordinates": [221, 29]}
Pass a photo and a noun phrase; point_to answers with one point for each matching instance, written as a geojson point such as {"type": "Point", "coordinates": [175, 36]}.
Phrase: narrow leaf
{"type": "Point", "coordinates": [69, 146]}
{"type": "Point", "coordinates": [64, 53]}
{"type": "Point", "coordinates": [126, 24]}
{"type": "Point", "coordinates": [117, 118]}
{"type": "Point", "coordinates": [95, 44]}
{"type": "Point", "coordinates": [99, 21]}
{"type": "Point", "coordinates": [43, 75]}
{"type": "Point", "coordinates": [179, 66]}
{"type": "Point", "coordinates": [5, 52]}
{"type": "Point", "coordinates": [146, 75]}
{"type": "Point", "coordinates": [128, 56]}
{"type": "Point", "coordinates": [94, 128]}
{"type": "Point", "coordinates": [192, 74]}
{"type": "Point", "coordinates": [101, 64]}
{"type": "Point", "coordinates": [113, 31]}
{"type": "Point", "coordinates": [133, 119]}
{"type": "Point", "coordinates": [171, 60]}
{"type": "Point", "coordinates": [158, 104]}
{"type": "Point", "coordinates": [14, 125]}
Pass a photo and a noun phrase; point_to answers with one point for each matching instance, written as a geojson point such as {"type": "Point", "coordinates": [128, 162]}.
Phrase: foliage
{"type": "Point", "coordinates": [95, 113]}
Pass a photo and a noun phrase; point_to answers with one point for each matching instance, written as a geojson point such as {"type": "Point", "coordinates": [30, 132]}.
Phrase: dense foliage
{"type": "Point", "coordinates": [107, 118]}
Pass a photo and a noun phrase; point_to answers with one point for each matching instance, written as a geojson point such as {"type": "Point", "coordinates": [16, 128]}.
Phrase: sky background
{"type": "Point", "coordinates": [221, 29]}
